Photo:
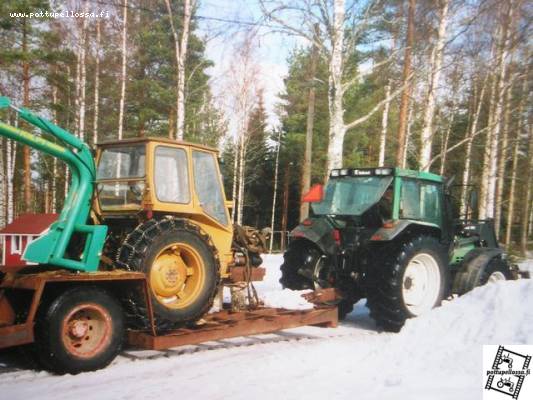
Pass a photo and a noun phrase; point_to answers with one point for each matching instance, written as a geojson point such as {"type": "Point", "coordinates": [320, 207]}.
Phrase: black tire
{"type": "Point", "coordinates": [496, 266]}
{"type": "Point", "coordinates": [98, 338]}
{"type": "Point", "coordinates": [386, 283]}
{"type": "Point", "coordinates": [298, 266]}
{"type": "Point", "coordinates": [139, 252]}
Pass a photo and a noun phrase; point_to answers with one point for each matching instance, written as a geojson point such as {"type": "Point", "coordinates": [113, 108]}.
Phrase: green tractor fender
{"type": "Point", "coordinates": [318, 231]}
{"type": "Point", "coordinates": [473, 267]}
{"type": "Point", "coordinates": [394, 229]}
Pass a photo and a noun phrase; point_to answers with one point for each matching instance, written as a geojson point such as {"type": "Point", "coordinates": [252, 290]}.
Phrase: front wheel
{"type": "Point", "coordinates": [181, 266]}
{"type": "Point", "coordinates": [81, 330]}
{"type": "Point", "coordinates": [406, 281]}
{"type": "Point", "coordinates": [495, 271]}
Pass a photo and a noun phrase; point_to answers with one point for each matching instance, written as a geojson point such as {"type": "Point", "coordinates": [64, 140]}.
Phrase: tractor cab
{"type": "Point", "coordinates": [383, 200]}
{"type": "Point", "coordinates": [155, 175]}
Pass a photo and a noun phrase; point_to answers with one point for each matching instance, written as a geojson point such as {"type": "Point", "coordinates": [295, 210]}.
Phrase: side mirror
{"type": "Point", "coordinates": [314, 195]}
{"type": "Point", "coordinates": [4, 102]}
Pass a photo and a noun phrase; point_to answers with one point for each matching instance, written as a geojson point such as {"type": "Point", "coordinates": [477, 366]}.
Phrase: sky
{"type": "Point", "coordinates": [271, 54]}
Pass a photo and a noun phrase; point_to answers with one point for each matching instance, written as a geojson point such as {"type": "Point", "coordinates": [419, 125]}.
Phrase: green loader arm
{"type": "Point", "coordinates": [51, 248]}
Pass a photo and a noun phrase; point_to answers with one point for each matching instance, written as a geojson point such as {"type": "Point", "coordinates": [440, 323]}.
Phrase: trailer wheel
{"type": "Point", "coordinates": [409, 279]}
{"type": "Point", "coordinates": [80, 330]}
{"type": "Point", "coordinates": [181, 266]}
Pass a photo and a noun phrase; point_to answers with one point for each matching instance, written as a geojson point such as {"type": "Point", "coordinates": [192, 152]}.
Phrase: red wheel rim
{"type": "Point", "coordinates": [86, 330]}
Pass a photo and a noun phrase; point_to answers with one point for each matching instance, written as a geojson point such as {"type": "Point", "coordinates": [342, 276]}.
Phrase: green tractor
{"type": "Point", "coordinates": [388, 234]}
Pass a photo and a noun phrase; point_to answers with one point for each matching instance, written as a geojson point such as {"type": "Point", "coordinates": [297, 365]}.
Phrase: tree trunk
{"type": "Point", "coordinates": [83, 76]}
{"type": "Point", "coordinates": [502, 162]}
{"type": "Point", "coordinates": [497, 126]}
{"type": "Point", "coordinates": [407, 140]}
{"type": "Point", "coordinates": [468, 155]}
{"type": "Point", "coordinates": [337, 129]}
{"type": "Point", "coordinates": [54, 161]}
{"type": "Point", "coordinates": [512, 190]}
{"type": "Point", "coordinates": [235, 183]}
{"type": "Point", "coordinates": [26, 101]}
{"type": "Point", "coordinates": [384, 124]}
{"type": "Point", "coordinates": [495, 135]}
{"type": "Point", "coordinates": [401, 153]}
{"type": "Point", "coordinates": [486, 153]}
{"type": "Point", "coordinates": [274, 196]}
{"type": "Point", "coordinates": [242, 173]}
{"type": "Point", "coordinates": [96, 83]}
{"type": "Point", "coordinates": [181, 45]}
{"type": "Point", "coordinates": [444, 150]}
{"type": "Point", "coordinates": [285, 214]}
{"type": "Point", "coordinates": [435, 68]}
{"type": "Point", "coordinates": [11, 150]}
{"type": "Point", "coordinates": [306, 168]}
{"type": "Point", "coordinates": [528, 197]}
{"type": "Point", "coordinates": [123, 74]}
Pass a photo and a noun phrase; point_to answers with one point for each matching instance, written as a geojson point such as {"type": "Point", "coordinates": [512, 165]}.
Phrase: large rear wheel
{"type": "Point", "coordinates": [181, 266]}
{"type": "Point", "coordinates": [407, 280]}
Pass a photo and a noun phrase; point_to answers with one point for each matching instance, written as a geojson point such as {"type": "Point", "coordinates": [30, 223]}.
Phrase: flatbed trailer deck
{"type": "Point", "coordinates": [16, 329]}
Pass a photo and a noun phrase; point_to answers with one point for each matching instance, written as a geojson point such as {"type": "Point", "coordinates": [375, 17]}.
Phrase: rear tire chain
{"type": "Point", "coordinates": [136, 311]}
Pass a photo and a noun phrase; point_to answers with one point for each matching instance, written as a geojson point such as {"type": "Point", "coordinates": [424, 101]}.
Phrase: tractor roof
{"type": "Point", "coordinates": [409, 173]}
{"type": "Point", "coordinates": [156, 140]}
{"type": "Point", "coordinates": [387, 171]}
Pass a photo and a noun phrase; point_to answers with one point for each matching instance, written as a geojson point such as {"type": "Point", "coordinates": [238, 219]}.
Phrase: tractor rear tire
{"type": "Point", "coordinates": [299, 264]}
{"type": "Point", "coordinates": [181, 266]}
{"type": "Point", "coordinates": [80, 330]}
{"type": "Point", "coordinates": [408, 279]}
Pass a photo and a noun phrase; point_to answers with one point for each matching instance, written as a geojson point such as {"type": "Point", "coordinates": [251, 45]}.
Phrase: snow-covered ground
{"type": "Point", "coordinates": [437, 356]}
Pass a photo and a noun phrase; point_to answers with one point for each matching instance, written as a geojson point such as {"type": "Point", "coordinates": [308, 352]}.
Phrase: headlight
{"type": "Point", "coordinates": [383, 171]}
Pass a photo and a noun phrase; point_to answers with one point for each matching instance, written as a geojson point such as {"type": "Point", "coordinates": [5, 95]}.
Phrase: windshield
{"type": "Point", "coordinates": [122, 162]}
{"type": "Point", "coordinates": [351, 195]}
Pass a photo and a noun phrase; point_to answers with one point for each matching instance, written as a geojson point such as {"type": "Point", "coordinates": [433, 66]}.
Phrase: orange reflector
{"type": "Point", "coordinates": [308, 222]}
{"type": "Point", "coordinates": [376, 237]}
{"type": "Point", "coordinates": [314, 195]}
{"type": "Point", "coordinates": [388, 224]}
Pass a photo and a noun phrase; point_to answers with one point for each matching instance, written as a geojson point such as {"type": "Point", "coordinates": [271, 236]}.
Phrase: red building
{"type": "Point", "coordinates": [16, 236]}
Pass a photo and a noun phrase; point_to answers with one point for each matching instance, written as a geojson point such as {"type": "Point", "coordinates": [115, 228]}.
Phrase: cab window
{"type": "Point", "coordinates": [207, 184]}
{"type": "Point", "coordinates": [420, 201]}
{"type": "Point", "coordinates": [171, 175]}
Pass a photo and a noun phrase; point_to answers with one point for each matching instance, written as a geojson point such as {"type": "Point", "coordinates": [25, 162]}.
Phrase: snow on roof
{"type": "Point", "coordinates": [29, 224]}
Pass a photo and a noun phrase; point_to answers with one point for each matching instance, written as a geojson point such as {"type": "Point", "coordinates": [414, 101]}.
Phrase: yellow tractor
{"type": "Point", "coordinates": [167, 216]}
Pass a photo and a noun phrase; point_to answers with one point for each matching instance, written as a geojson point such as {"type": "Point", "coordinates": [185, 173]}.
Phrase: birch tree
{"type": "Point", "coordinates": [96, 81]}
{"type": "Point", "coordinates": [522, 122]}
{"type": "Point", "coordinates": [401, 153]}
{"type": "Point", "coordinates": [469, 142]}
{"type": "Point", "coordinates": [496, 130]}
{"type": "Point", "coordinates": [426, 139]}
{"type": "Point", "coordinates": [180, 44]}
{"type": "Point", "coordinates": [334, 45]}
{"type": "Point", "coordinates": [123, 72]}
